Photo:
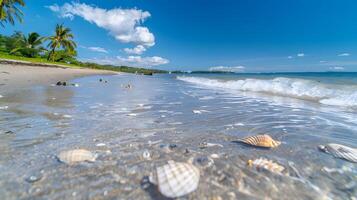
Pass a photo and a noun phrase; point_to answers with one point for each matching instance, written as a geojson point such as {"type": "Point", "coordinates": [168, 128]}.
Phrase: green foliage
{"type": "Point", "coordinates": [29, 46]}
{"type": "Point", "coordinates": [120, 68]}
{"type": "Point", "coordinates": [3, 40]}
{"type": "Point", "coordinates": [63, 38]}
{"type": "Point", "coordinates": [9, 11]}
{"type": "Point", "coordinates": [12, 41]}
{"type": "Point", "coordinates": [66, 56]}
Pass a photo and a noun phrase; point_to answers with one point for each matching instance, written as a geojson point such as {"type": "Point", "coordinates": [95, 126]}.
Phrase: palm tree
{"type": "Point", "coordinates": [29, 46]}
{"type": "Point", "coordinates": [9, 10]}
{"type": "Point", "coordinates": [62, 38]}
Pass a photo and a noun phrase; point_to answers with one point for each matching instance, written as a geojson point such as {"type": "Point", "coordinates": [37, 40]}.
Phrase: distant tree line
{"type": "Point", "coordinates": [60, 46]}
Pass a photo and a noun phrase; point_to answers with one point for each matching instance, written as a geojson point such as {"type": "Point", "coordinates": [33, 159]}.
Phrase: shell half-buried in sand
{"type": "Point", "coordinates": [76, 156]}
{"type": "Point", "coordinates": [261, 141]}
{"type": "Point", "coordinates": [265, 164]}
{"type": "Point", "coordinates": [176, 179]}
{"type": "Point", "coordinates": [340, 151]}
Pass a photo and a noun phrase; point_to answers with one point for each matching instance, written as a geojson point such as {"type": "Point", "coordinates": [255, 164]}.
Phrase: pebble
{"type": "Point", "coordinates": [203, 161]}
{"type": "Point", "coordinates": [33, 178]}
{"type": "Point", "coordinates": [214, 156]}
{"type": "Point", "coordinates": [145, 183]}
{"type": "Point", "coordinates": [168, 148]}
{"type": "Point", "coordinates": [100, 145]}
{"type": "Point", "coordinates": [203, 145]}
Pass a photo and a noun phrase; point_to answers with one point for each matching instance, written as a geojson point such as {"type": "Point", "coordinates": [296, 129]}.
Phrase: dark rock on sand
{"type": "Point", "coordinates": [9, 132]}
{"type": "Point", "coordinates": [59, 83]}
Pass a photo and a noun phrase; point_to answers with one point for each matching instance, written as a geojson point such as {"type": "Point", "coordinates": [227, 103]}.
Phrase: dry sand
{"type": "Point", "coordinates": [15, 76]}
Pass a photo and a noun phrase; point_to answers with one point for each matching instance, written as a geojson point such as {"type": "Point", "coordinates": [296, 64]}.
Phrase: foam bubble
{"type": "Point", "coordinates": [341, 95]}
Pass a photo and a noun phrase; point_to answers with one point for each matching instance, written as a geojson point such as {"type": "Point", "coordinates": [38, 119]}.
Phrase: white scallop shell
{"type": "Point", "coordinates": [176, 179]}
{"type": "Point", "coordinates": [266, 164]}
{"type": "Point", "coordinates": [340, 151]}
{"type": "Point", "coordinates": [76, 155]}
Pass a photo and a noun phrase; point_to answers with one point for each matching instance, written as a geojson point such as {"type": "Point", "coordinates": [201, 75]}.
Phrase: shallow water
{"type": "Point", "coordinates": [169, 118]}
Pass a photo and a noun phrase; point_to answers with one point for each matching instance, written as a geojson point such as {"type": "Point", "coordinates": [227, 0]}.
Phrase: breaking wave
{"type": "Point", "coordinates": [338, 95]}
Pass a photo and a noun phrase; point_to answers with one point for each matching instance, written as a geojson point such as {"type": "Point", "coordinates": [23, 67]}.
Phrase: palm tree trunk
{"type": "Point", "coordinates": [51, 54]}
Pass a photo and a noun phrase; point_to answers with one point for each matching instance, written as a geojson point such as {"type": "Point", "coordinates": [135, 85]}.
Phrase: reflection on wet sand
{"type": "Point", "coordinates": [133, 131]}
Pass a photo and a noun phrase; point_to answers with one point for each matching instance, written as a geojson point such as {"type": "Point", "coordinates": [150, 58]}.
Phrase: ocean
{"type": "Point", "coordinates": [170, 116]}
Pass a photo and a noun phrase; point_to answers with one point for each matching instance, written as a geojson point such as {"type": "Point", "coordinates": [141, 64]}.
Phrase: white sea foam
{"type": "Point", "coordinates": [338, 95]}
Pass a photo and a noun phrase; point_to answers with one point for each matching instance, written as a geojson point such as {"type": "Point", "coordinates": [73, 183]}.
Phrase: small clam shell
{"type": "Point", "coordinates": [261, 141]}
{"type": "Point", "coordinates": [340, 151]}
{"type": "Point", "coordinates": [265, 164]}
{"type": "Point", "coordinates": [76, 155]}
{"type": "Point", "coordinates": [176, 179]}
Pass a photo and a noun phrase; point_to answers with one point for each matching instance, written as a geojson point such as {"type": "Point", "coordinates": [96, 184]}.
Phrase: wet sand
{"type": "Point", "coordinates": [134, 130]}
{"type": "Point", "coordinates": [17, 76]}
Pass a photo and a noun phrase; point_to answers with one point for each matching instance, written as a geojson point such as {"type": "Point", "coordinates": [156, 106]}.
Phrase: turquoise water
{"type": "Point", "coordinates": [302, 111]}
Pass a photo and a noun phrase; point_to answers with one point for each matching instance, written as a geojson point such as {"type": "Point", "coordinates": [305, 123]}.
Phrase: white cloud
{"type": "Point", "coordinates": [136, 50]}
{"type": "Point", "coordinates": [227, 69]}
{"type": "Point", "coordinates": [142, 61]}
{"type": "Point", "coordinates": [98, 49]}
{"type": "Point", "coordinates": [133, 61]}
{"type": "Point", "coordinates": [337, 68]}
{"type": "Point", "coordinates": [54, 8]}
{"type": "Point", "coordinates": [300, 55]}
{"type": "Point", "coordinates": [344, 54]}
{"type": "Point", "coordinates": [123, 24]}
{"type": "Point", "coordinates": [323, 61]}
{"type": "Point", "coordinates": [290, 57]}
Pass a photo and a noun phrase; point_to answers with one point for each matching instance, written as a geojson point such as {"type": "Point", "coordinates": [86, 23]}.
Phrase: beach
{"type": "Point", "coordinates": [198, 119]}
{"type": "Point", "coordinates": [14, 76]}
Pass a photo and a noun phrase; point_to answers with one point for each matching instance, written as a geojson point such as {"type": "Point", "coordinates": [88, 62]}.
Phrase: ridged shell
{"type": "Point", "coordinates": [340, 151]}
{"type": "Point", "coordinates": [176, 179]}
{"type": "Point", "coordinates": [265, 164]}
{"type": "Point", "coordinates": [261, 141]}
{"type": "Point", "coordinates": [76, 155]}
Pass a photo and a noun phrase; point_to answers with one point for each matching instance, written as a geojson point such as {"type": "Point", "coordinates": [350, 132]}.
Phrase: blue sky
{"type": "Point", "coordinates": [249, 35]}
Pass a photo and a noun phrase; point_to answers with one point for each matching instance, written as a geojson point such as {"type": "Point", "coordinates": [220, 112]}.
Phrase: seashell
{"type": "Point", "coordinates": [340, 151]}
{"type": "Point", "coordinates": [146, 154]}
{"type": "Point", "coordinates": [265, 164]}
{"type": "Point", "coordinates": [261, 141]}
{"type": "Point", "coordinates": [176, 179]}
{"type": "Point", "coordinates": [76, 155]}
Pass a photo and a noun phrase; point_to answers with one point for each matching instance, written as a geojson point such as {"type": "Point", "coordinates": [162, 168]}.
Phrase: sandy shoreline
{"type": "Point", "coordinates": [17, 76]}
{"type": "Point", "coordinates": [135, 130]}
